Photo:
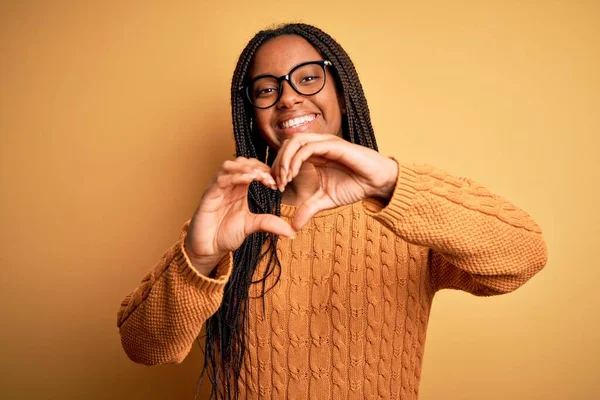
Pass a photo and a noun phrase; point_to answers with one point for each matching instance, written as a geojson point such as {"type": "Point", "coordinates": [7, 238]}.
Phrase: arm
{"type": "Point", "coordinates": [159, 321]}
{"type": "Point", "coordinates": [479, 242]}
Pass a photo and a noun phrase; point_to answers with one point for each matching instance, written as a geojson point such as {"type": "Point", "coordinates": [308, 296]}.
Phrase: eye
{"type": "Point", "coordinates": [265, 91]}
{"type": "Point", "coordinates": [309, 79]}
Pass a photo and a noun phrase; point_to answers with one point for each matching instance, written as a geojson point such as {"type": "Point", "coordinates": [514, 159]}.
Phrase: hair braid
{"type": "Point", "coordinates": [227, 329]}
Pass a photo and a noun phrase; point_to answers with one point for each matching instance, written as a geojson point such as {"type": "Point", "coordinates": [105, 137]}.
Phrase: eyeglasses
{"type": "Point", "coordinates": [306, 79]}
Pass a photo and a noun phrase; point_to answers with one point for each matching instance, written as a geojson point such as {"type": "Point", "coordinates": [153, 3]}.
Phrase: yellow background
{"type": "Point", "coordinates": [115, 115]}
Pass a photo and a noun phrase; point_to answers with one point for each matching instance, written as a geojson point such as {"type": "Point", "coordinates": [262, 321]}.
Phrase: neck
{"type": "Point", "coordinates": [302, 187]}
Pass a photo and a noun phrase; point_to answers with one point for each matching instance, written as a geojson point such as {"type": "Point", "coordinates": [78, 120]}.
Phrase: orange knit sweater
{"type": "Point", "coordinates": [348, 318]}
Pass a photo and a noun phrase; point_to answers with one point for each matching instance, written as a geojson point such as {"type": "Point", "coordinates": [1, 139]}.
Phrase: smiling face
{"type": "Point", "coordinates": [294, 113]}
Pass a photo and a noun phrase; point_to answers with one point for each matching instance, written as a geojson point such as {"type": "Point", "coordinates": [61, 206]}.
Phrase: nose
{"type": "Point", "coordinates": [289, 97]}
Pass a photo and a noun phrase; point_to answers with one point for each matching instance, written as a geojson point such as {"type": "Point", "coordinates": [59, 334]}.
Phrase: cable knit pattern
{"type": "Point", "coordinates": [348, 318]}
{"type": "Point", "coordinates": [388, 276]}
{"type": "Point", "coordinates": [373, 309]}
{"type": "Point", "coordinates": [339, 311]}
{"type": "Point", "coordinates": [357, 306]}
{"type": "Point", "coordinates": [280, 339]}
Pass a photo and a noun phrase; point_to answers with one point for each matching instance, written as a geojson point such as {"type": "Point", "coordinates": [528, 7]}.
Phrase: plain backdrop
{"type": "Point", "coordinates": [115, 115]}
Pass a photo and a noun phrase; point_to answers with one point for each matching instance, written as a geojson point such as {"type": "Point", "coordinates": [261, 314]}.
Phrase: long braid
{"type": "Point", "coordinates": [227, 329]}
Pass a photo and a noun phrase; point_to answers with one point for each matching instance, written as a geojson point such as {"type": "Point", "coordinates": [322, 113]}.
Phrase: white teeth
{"type": "Point", "coordinates": [292, 123]}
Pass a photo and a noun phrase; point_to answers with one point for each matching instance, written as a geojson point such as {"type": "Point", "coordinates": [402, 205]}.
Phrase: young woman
{"type": "Point", "coordinates": [312, 259]}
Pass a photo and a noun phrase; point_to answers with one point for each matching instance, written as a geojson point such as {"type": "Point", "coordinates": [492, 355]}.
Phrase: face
{"type": "Point", "coordinates": [294, 113]}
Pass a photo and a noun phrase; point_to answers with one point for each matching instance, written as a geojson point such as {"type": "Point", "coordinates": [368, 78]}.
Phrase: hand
{"type": "Point", "coordinates": [223, 220]}
{"type": "Point", "coordinates": [346, 172]}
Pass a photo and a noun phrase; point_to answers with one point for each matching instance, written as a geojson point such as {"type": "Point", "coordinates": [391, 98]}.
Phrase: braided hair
{"type": "Point", "coordinates": [227, 329]}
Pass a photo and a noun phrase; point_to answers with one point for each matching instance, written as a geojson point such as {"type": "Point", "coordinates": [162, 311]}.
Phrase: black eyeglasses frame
{"type": "Point", "coordinates": [247, 88]}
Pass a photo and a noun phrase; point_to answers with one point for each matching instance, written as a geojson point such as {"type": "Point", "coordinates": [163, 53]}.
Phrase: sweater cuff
{"type": "Point", "coordinates": [402, 197]}
{"type": "Point", "coordinates": [202, 282]}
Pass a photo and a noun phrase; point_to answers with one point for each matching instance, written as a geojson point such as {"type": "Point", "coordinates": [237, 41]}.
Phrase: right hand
{"type": "Point", "coordinates": [223, 220]}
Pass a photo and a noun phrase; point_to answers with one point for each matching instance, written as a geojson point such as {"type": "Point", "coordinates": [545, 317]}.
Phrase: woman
{"type": "Point", "coordinates": [315, 269]}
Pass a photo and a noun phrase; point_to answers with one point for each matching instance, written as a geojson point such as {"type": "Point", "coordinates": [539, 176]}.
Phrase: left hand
{"type": "Point", "coordinates": [347, 172]}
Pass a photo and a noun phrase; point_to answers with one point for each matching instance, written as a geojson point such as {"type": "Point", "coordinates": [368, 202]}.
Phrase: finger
{"type": "Point", "coordinates": [242, 164]}
{"type": "Point", "coordinates": [234, 167]}
{"type": "Point", "coordinates": [276, 170]}
{"type": "Point", "coordinates": [292, 147]}
{"type": "Point", "coordinates": [280, 168]}
{"type": "Point", "coordinates": [269, 223]}
{"type": "Point", "coordinates": [265, 178]}
{"type": "Point", "coordinates": [248, 166]}
{"type": "Point", "coordinates": [331, 150]}
{"type": "Point", "coordinates": [256, 163]}
{"type": "Point", "coordinates": [229, 180]}
{"type": "Point", "coordinates": [317, 202]}
{"type": "Point", "coordinates": [225, 181]}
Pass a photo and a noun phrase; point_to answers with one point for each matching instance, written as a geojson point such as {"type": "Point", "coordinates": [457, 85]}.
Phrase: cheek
{"type": "Point", "coordinates": [337, 123]}
{"type": "Point", "coordinates": [332, 104]}
{"type": "Point", "coordinates": [334, 114]}
{"type": "Point", "coordinates": [262, 126]}
{"type": "Point", "coordinates": [262, 121]}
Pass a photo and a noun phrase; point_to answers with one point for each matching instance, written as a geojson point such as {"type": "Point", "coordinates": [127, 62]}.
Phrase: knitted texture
{"type": "Point", "coordinates": [348, 318]}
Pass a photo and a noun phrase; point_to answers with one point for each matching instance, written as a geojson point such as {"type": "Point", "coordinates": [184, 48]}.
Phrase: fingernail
{"type": "Point", "coordinates": [268, 177]}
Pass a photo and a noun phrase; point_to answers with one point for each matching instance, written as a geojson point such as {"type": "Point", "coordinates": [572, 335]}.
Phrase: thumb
{"type": "Point", "coordinates": [317, 202]}
{"type": "Point", "coordinates": [268, 223]}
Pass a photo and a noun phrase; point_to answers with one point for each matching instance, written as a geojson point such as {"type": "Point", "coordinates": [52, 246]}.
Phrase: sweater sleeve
{"type": "Point", "coordinates": [159, 321]}
{"type": "Point", "coordinates": [478, 242]}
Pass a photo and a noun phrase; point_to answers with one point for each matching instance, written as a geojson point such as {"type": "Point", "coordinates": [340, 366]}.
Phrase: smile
{"type": "Point", "coordinates": [298, 121]}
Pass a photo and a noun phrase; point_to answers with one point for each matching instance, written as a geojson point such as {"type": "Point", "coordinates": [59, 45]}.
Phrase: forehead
{"type": "Point", "coordinates": [279, 55]}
